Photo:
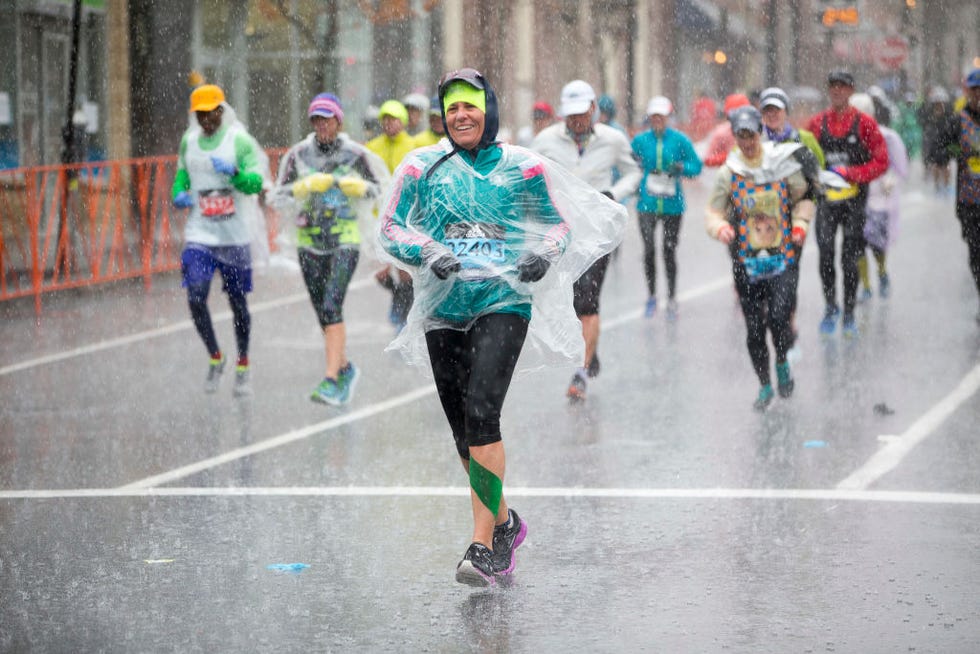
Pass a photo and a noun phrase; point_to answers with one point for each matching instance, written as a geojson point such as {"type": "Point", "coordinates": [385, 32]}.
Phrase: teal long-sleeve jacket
{"type": "Point", "coordinates": [658, 154]}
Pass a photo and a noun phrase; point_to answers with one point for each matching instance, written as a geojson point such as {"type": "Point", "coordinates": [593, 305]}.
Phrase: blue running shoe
{"type": "Point", "coordinates": [849, 328]}
{"type": "Point", "coordinates": [884, 285]}
{"type": "Point", "coordinates": [829, 322]}
{"type": "Point", "coordinates": [764, 398]}
{"type": "Point", "coordinates": [347, 382]}
{"type": "Point", "coordinates": [328, 392]}
{"type": "Point", "coordinates": [651, 307]}
{"type": "Point", "coordinates": [784, 379]}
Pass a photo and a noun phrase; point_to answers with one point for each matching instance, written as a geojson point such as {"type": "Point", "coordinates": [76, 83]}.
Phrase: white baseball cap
{"type": "Point", "coordinates": [659, 106]}
{"type": "Point", "coordinates": [576, 98]}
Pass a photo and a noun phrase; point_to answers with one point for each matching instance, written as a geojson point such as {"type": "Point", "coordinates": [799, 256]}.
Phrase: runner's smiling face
{"type": "Point", "coordinates": [465, 122]}
{"type": "Point", "coordinates": [774, 117]}
{"type": "Point", "coordinates": [973, 97]}
{"type": "Point", "coordinates": [210, 121]}
{"type": "Point", "coordinates": [748, 142]}
{"type": "Point", "coordinates": [325, 128]}
{"type": "Point", "coordinates": [839, 93]}
{"type": "Point", "coordinates": [580, 124]}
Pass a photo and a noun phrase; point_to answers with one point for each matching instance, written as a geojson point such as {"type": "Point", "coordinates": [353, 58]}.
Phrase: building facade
{"type": "Point", "coordinates": [139, 59]}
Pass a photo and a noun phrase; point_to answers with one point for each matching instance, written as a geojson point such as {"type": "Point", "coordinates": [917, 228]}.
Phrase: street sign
{"type": "Point", "coordinates": [833, 16]}
{"type": "Point", "coordinates": [892, 52]}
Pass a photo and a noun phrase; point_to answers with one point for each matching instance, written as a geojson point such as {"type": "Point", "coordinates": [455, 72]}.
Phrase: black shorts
{"type": "Point", "coordinates": [327, 277]}
{"type": "Point", "coordinates": [588, 287]}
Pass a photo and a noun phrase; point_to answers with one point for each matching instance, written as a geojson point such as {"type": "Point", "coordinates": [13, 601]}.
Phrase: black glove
{"type": "Point", "coordinates": [609, 195]}
{"type": "Point", "coordinates": [445, 266]}
{"type": "Point", "coordinates": [531, 267]}
{"type": "Point", "coordinates": [676, 169]}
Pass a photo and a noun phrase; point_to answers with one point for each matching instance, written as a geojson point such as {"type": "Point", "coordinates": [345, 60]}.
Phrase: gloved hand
{"type": "Point", "coordinates": [531, 267]}
{"type": "Point", "coordinates": [798, 235]}
{"type": "Point", "coordinates": [352, 187]}
{"type": "Point", "coordinates": [726, 234]}
{"type": "Point", "coordinates": [609, 195]}
{"type": "Point", "coordinates": [224, 167]}
{"type": "Point", "coordinates": [183, 200]}
{"type": "Point", "coordinates": [676, 169]}
{"type": "Point", "coordinates": [440, 260]}
{"type": "Point", "coordinates": [315, 183]}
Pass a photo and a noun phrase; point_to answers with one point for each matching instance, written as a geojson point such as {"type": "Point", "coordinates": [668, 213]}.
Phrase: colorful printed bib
{"type": "Point", "coordinates": [763, 227]}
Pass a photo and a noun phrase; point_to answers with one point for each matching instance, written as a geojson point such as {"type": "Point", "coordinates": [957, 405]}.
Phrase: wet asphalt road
{"type": "Point", "coordinates": [139, 515]}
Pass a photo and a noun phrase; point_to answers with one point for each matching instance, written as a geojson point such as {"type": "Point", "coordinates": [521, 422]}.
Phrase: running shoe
{"type": "Point", "coordinates": [593, 370]}
{"type": "Point", "coordinates": [328, 392]}
{"type": "Point", "coordinates": [784, 380]}
{"type": "Point", "coordinates": [848, 327]}
{"type": "Point", "coordinates": [671, 310]}
{"type": "Point", "coordinates": [576, 389]}
{"type": "Point", "coordinates": [213, 380]}
{"type": "Point", "coordinates": [347, 382]}
{"type": "Point", "coordinates": [829, 322]}
{"type": "Point", "coordinates": [884, 286]}
{"type": "Point", "coordinates": [764, 398]}
{"type": "Point", "coordinates": [243, 382]}
{"type": "Point", "coordinates": [651, 307]}
{"type": "Point", "coordinates": [476, 568]}
{"type": "Point", "coordinates": [507, 538]}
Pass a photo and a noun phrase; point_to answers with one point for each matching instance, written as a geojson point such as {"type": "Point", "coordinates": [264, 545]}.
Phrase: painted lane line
{"type": "Point", "coordinates": [366, 412]}
{"type": "Point", "coordinates": [897, 448]}
{"type": "Point", "coordinates": [280, 440]}
{"type": "Point", "coordinates": [836, 495]}
{"type": "Point", "coordinates": [692, 294]}
{"type": "Point", "coordinates": [182, 325]}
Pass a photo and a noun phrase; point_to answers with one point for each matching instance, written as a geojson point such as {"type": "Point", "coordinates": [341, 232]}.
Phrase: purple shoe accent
{"type": "Point", "coordinates": [518, 539]}
{"type": "Point", "coordinates": [469, 574]}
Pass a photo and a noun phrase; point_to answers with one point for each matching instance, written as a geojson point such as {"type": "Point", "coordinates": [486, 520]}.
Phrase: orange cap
{"type": "Point", "coordinates": [735, 100]}
{"type": "Point", "coordinates": [206, 98]}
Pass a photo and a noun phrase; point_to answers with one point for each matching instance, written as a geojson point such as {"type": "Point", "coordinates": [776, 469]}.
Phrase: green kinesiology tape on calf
{"type": "Point", "coordinates": [486, 485]}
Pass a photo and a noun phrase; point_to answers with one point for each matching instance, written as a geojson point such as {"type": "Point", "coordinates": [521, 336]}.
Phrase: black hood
{"type": "Point", "coordinates": [491, 122]}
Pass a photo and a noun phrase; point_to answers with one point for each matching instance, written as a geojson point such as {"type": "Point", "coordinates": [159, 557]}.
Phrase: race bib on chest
{"type": "Point", "coordinates": [841, 194]}
{"type": "Point", "coordinates": [661, 185]}
{"type": "Point", "coordinates": [216, 204]}
{"type": "Point", "coordinates": [765, 264]}
{"type": "Point", "coordinates": [477, 245]}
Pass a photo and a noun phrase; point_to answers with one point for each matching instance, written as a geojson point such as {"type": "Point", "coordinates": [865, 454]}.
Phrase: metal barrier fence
{"type": "Point", "coordinates": [68, 226]}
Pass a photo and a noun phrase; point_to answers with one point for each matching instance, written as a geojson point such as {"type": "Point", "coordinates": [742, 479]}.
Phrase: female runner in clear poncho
{"type": "Point", "coordinates": [492, 235]}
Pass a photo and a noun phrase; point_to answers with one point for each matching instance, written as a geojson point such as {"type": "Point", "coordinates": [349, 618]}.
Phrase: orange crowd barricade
{"type": "Point", "coordinates": [68, 226]}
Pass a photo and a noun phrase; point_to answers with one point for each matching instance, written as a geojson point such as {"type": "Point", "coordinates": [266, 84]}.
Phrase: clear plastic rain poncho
{"type": "Point", "coordinates": [351, 217]}
{"type": "Point", "coordinates": [246, 206]}
{"type": "Point", "coordinates": [525, 206]}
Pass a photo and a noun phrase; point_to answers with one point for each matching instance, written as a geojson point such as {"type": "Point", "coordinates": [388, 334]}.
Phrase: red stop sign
{"type": "Point", "coordinates": [892, 52]}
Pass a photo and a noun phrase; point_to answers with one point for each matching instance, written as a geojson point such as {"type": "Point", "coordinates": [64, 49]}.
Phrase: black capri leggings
{"type": "Point", "coordinates": [327, 277]}
{"type": "Point", "coordinates": [767, 306]}
{"type": "Point", "coordinates": [587, 288]}
{"type": "Point", "coordinates": [472, 370]}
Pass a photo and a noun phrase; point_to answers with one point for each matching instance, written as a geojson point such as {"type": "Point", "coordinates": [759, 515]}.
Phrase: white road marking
{"type": "Point", "coordinates": [836, 495]}
{"type": "Point", "coordinates": [146, 335]}
{"type": "Point", "coordinates": [282, 439]}
{"type": "Point", "coordinates": [896, 449]}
